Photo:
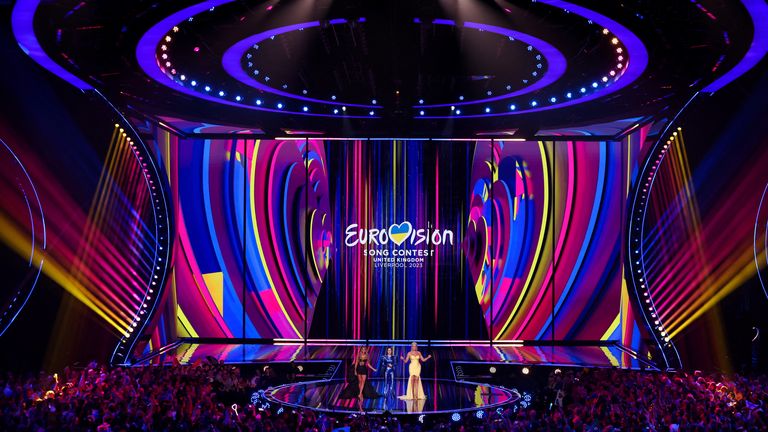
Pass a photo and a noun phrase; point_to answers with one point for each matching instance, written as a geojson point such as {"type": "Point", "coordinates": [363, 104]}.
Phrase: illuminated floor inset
{"type": "Point", "coordinates": [442, 396]}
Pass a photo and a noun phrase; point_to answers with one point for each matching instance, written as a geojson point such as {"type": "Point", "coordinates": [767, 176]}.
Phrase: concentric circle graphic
{"type": "Point", "coordinates": [629, 62]}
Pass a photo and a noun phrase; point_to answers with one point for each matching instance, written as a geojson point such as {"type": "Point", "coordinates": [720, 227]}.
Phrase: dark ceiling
{"type": "Point", "coordinates": [377, 68]}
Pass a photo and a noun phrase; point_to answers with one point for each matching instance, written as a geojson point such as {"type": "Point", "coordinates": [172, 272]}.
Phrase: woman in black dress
{"type": "Point", "coordinates": [362, 364]}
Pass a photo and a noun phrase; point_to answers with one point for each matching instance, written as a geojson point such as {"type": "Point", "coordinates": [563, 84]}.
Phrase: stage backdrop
{"type": "Point", "coordinates": [399, 239]}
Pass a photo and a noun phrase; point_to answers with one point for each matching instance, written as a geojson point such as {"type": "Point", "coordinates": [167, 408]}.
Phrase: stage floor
{"type": "Point", "coordinates": [442, 396]}
{"type": "Point", "coordinates": [610, 355]}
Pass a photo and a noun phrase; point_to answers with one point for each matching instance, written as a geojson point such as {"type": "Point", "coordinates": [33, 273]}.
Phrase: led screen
{"type": "Point", "coordinates": [400, 239]}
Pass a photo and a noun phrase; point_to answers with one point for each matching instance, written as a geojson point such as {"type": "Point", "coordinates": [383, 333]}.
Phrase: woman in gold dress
{"type": "Point", "coordinates": [415, 389]}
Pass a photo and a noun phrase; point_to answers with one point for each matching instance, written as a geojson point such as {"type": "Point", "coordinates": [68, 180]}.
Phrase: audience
{"type": "Point", "coordinates": [195, 397]}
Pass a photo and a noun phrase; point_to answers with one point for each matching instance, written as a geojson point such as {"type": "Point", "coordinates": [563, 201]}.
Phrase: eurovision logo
{"type": "Point", "coordinates": [397, 234]}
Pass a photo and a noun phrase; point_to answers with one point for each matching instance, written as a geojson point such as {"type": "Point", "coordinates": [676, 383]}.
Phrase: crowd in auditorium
{"type": "Point", "coordinates": [199, 397]}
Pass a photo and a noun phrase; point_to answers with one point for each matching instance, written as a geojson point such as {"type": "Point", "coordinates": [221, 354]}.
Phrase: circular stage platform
{"type": "Point", "coordinates": [443, 396]}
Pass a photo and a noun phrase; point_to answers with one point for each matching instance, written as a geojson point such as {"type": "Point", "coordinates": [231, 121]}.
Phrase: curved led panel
{"type": "Point", "coordinates": [32, 242]}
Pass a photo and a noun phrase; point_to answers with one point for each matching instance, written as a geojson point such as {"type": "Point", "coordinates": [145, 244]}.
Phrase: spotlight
{"type": "Point", "coordinates": [221, 93]}
{"type": "Point", "coordinates": [461, 98]}
{"type": "Point", "coordinates": [421, 112]}
{"type": "Point", "coordinates": [605, 79]}
{"type": "Point", "coordinates": [569, 95]}
{"type": "Point", "coordinates": [207, 88]}
{"type": "Point", "coordinates": [258, 101]}
{"type": "Point", "coordinates": [335, 111]}
{"type": "Point", "coordinates": [193, 82]}
{"type": "Point", "coordinates": [455, 417]}
{"type": "Point", "coordinates": [373, 101]}
{"type": "Point", "coordinates": [534, 103]}
{"type": "Point", "coordinates": [605, 31]}
{"type": "Point", "coordinates": [183, 77]}
{"type": "Point", "coordinates": [553, 99]}
{"type": "Point", "coordinates": [492, 369]}
{"type": "Point", "coordinates": [615, 41]}
{"type": "Point", "coordinates": [305, 109]}
{"type": "Point", "coordinates": [279, 106]}
{"type": "Point", "coordinates": [512, 107]}
{"type": "Point", "coordinates": [370, 113]}
{"type": "Point", "coordinates": [525, 370]}
{"type": "Point", "coordinates": [421, 419]}
{"type": "Point", "coordinates": [557, 371]}
{"type": "Point", "coordinates": [453, 108]}
{"type": "Point", "coordinates": [583, 90]}
{"type": "Point", "coordinates": [421, 101]}
{"type": "Point", "coordinates": [333, 97]}
{"type": "Point", "coordinates": [238, 98]}
{"type": "Point", "coordinates": [344, 109]}
{"type": "Point", "coordinates": [487, 109]}
{"type": "Point", "coordinates": [458, 112]}
{"type": "Point", "coordinates": [480, 414]}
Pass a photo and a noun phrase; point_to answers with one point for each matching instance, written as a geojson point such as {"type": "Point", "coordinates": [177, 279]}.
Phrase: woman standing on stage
{"type": "Point", "coordinates": [415, 389]}
{"type": "Point", "coordinates": [389, 372]}
{"type": "Point", "coordinates": [362, 364]}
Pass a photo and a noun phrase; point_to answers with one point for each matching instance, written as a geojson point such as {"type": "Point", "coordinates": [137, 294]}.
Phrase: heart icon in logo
{"type": "Point", "coordinates": [399, 233]}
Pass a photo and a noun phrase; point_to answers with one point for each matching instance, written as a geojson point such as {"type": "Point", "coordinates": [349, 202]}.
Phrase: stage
{"type": "Point", "coordinates": [460, 376]}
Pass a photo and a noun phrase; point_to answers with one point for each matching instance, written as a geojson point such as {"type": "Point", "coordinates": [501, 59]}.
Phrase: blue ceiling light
{"type": "Point", "coordinates": [553, 99]}
{"type": "Point", "coordinates": [183, 77]}
{"type": "Point", "coordinates": [487, 109]}
{"type": "Point", "coordinates": [335, 110]}
{"type": "Point", "coordinates": [421, 101]}
{"type": "Point", "coordinates": [461, 98]}
{"type": "Point", "coordinates": [583, 90]}
{"type": "Point", "coordinates": [370, 113]}
{"type": "Point", "coordinates": [421, 112]}
{"type": "Point", "coordinates": [194, 83]}
{"type": "Point", "coordinates": [279, 106]}
{"type": "Point", "coordinates": [333, 97]}
{"type": "Point", "coordinates": [258, 101]}
{"type": "Point", "coordinates": [207, 88]}
{"type": "Point", "coordinates": [512, 107]}
{"type": "Point", "coordinates": [458, 111]}
{"type": "Point", "coordinates": [594, 84]}
{"type": "Point", "coordinates": [534, 103]}
{"type": "Point", "coordinates": [569, 95]}
{"type": "Point", "coordinates": [305, 109]}
{"type": "Point", "coordinates": [238, 98]}
{"type": "Point", "coordinates": [221, 93]}
{"type": "Point", "coordinates": [373, 101]}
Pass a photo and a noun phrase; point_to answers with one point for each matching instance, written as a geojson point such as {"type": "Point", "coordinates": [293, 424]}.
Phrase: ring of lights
{"type": "Point", "coordinates": [628, 71]}
{"type": "Point", "coordinates": [635, 262]}
{"type": "Point", "coordinates": [35, 208]}
{"type": "Point", "coordinates": [231, 61]}
{"type": "Point", "coordinates": [162, 247]}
